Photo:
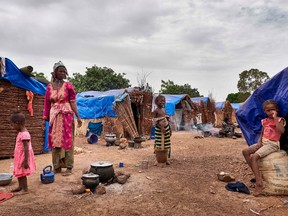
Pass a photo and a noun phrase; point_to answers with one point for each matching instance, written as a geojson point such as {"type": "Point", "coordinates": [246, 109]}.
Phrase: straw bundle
{"type": "Point", "coordinates": [212, 109]}
{"type": "Point", "coordinates": [228, 110]}
{"type": "Point", "coordinates": [125, 115]}
{"type": "Point", "coordinates": [204, 112]}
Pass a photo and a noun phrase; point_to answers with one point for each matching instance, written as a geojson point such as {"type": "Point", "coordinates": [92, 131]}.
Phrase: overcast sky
{"type": "Point", "coordinates": [205, 43]}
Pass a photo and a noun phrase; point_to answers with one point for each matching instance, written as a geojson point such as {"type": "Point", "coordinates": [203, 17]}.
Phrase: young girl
{"type": "Point", "coordinates": [272, 128]}
{"type": "Point", "coordinates": [162, 127]}
{"type": "Point", "coordinates": [24, 161]}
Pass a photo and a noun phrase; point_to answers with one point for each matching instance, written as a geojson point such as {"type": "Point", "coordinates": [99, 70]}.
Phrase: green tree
{"type": "Point", "coordinates": [237, 97]}
{"type": "Point", "coordinates": [170, 88]}
{"type": "Point", "coordinates": [99, 79]}
{"type": "Point", "coordinates": [40, 77]}
{"type": "Point", "coordinates": [250, 80]}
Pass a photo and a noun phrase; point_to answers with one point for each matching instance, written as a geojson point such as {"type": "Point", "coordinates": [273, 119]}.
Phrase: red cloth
{"type": "Point", "coordinates": [30, 96]}
{"type": "Point", "coordinates": [5, 196]}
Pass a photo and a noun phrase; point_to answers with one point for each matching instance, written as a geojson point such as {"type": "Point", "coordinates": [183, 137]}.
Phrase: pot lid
{"type": "Point", "coordinates": [101, 164]}
{"type": "Point", "coordinates": [90, 175]}
{"type": "Point", "coordinates": [110, 134]}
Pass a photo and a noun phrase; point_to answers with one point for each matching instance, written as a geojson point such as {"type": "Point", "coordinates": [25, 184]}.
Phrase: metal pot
{"type": "Point", "coordinates": [103, 169]}
{"type": "Point", "coordinates": [110, 138]}
{"type": "Point", "coordinates": [90, 180]}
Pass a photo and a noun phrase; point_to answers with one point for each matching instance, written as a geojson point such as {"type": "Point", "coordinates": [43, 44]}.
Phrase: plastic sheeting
{"type": "Point", "coordinates": [171, 101]}
{"type": "Point", "coordinates": [98, 104]}
{"type": "Point", "coordinates": [199, 99]}
{"type": "Point", "coordinates": [95, 107]}
{"type": "Point", "coordinates": [220, 105]}
{"type": "Point", "coordinates": [18, 79]}
{"type": "Point", "coordinates": [250, 113]}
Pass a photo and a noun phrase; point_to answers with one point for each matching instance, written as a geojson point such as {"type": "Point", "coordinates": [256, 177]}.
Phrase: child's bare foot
{"type": "Point", "coordinates": [16, 190]}
{"type": "Point", "coordinates": [21, 193]}
{"type": "Point", "coordinates": [258, 189]}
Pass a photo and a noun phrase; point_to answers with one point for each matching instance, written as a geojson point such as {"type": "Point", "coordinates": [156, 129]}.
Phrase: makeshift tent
{"type": "Point", "coordinates": [181, 110]}
{"type": "Point", "coordinates": [206, 107]}
{"type": "Point", "coordinates": [97, 106]}
{"type": "Point", "coordinates": [124, 111]}
{"type": "Point", "coordinates": [250, 113]}
{"type": "Point", "coordinates": [225, 109]}
{"type": "Point", "coordinates": [17, 91]}
{"type": "Point", "coordinates": [199, 99]}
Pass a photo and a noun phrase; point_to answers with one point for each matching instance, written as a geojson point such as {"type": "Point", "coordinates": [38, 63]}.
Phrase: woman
{"type": "Point", "coordinates": [59, 110]}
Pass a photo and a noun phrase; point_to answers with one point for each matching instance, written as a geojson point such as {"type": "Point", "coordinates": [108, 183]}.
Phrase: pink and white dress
{"type": "Point", "coordinates": [19, 156]}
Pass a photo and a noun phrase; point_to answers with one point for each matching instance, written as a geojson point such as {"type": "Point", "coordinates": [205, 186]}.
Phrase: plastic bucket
{"type": "Point", "coordinates": [152, 133]}
{"type": "Point", "coordinates": [92, 139]}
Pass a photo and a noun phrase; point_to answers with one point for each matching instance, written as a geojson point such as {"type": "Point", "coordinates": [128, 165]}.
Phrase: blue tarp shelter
{"type": "Point", "coordinates": [171, 102]}
{"type": "Point", "coordinates": [10, 72]}
{"type": "Point", "coordinates": [18, 79]}
{"type": "Point", "coordinates": [220, 105]}
{"type": "Point", "coordinates": [199, 99]}
{"type": "Point", "coordinates": [97, 104]}
{"type": "Point", "coordinates": [250, 113]}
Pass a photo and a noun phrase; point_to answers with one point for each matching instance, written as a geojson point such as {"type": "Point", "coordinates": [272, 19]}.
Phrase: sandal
{"type": "Point", "coordinates": [67, 172]}
{"type": "Point", "coordinates": [58, 170]}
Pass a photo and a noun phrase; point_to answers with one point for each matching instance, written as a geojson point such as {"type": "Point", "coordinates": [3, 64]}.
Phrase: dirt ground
{"type": "Point", "coordinates": [189, 186]}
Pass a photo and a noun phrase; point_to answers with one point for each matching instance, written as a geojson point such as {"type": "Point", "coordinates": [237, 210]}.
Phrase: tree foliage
{"type": "Point", "coordinates": [170, 88]}
{"type": "Point", "coordinates": [237, 97]}
{"type": "Point", "coordinates": [39, 74]}
{"type": "Point", "coordinates": [250, 80]}
{"type": "Point", "coordinates": [99, 79]}
{"type": "Point", "coordinates": [40, 77]}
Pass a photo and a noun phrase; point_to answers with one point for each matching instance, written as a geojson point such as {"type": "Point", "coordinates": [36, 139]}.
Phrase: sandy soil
{"type": "Point", "coordinates": [189, 186]}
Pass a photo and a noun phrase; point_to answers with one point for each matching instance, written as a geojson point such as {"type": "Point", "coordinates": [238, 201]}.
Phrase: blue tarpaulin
{"type": "Point", "coordinates": [199, 99]}
{"type": "Point", "coordinates": [18, 79]}
{"type": "Point", "coordinates": [236, 106]}
{"type": "Point", "coordinates": [220, 105]}
{"type": "Point", "coordinates": [98, 104]}
{"type": "Point", "coordinates": [250, 112]}
{"type": "Point", "coordinates": [171, 101]}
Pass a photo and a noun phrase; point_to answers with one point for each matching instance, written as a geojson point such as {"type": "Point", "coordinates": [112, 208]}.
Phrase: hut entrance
{"type": "Point", "coordinates": [136, 115]}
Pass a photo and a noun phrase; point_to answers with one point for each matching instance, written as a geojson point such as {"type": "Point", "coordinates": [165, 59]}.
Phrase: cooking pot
{"type": "Point", "coordinates": [103, 169]}
{"type": "Point", "coordinates": [90, 180]}
{"type": "Point", "coordinates": [110, 138]}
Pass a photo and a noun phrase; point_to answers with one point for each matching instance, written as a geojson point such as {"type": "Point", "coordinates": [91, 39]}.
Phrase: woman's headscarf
{"type": "Point", "coordinates": [57, 65]}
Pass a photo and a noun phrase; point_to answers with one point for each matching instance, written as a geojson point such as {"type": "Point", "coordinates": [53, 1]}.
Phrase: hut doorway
{"type": "Point", "coordinates": [136, 115]}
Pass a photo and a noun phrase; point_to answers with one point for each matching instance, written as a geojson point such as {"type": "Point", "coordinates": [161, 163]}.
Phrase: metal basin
{"type": "Point", "coordinates": [5, 179]}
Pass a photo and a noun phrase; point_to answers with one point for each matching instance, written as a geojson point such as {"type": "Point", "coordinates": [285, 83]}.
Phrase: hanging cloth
{"type": "Point", "coordinates": [30, 96]}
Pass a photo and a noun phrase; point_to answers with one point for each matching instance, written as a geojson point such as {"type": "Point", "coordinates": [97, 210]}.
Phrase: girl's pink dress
{"type": "Point", "coordinates": [19, 155]}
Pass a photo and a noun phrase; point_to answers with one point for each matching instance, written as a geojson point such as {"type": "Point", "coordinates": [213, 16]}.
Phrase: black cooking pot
{"type": "Point", "coordinates": [90, 180]}
{"type": "Point", "coordinates": [103, 169]}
